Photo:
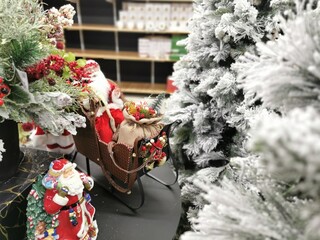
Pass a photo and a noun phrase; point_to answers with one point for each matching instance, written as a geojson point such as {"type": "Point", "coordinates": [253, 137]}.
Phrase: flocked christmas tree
{"type": "Point", "coordinates": [209, 101]}
{"type": "Point", "coordinates": [271, 192]}
{"type": "Point", "coordinates": [35, 210]}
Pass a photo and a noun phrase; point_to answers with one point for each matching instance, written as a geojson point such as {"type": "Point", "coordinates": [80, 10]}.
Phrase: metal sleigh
{"type": "Point", "coordinates": [120, 164]}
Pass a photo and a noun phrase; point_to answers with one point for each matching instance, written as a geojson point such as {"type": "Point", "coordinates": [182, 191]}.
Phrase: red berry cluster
{"type": "Point", "coordinates": [4, 91]}
{"type": "Point", "coordinates": [53, 63]}
{"type": "Point", "coordinates": [38, 70]}
{"type": "Point", "coordinates": [140, 111]}
{"type": "Point", "coordinates": [82, 73]}
{"type": "Point", "coordinates": [57, 64]}
{"type": "Point", "coordinates": [144, 113]}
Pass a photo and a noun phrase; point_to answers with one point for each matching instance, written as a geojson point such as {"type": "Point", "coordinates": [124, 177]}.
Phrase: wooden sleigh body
{"type": "Point", "coordinates": [120, 164]}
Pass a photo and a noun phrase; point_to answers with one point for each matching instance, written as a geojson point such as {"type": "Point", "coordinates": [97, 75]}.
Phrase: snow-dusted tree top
{"type": "Point", "coordinates": [208, 96]}
{"type": "Point", "coordinates": [273, 191]}
{"type": "Point", "coordinates": [286, 72]}
{"type": "Point", "coordinates": [290, 148]}
{"type": "Point", "coordinates": [234, 212]}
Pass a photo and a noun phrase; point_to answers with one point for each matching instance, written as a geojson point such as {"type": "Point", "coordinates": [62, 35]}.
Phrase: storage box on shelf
{"type": "Point", "coordinates": [132, 45]}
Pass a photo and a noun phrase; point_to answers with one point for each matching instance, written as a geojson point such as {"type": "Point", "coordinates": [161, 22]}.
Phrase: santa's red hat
{"type": "Point", "coordinates": [59, 165]}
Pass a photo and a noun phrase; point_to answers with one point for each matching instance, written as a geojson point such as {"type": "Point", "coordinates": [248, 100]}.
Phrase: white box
{"type": "Point", "coordinates": [143, 47]}
{"type": "Point", "coordinates": [131, 7]}
{"type": "Point", "coordinates": [123, 16]}
{"type": "Point", "coordinates": [149, 7]}
{"type": "Point", "coordinates": [166, 7]}
{"type": "Point", "coordinates": [160, 47]}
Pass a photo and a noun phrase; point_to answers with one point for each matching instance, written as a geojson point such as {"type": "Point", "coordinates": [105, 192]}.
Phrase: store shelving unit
{"type": "Point", "coordinates": [120, 56]}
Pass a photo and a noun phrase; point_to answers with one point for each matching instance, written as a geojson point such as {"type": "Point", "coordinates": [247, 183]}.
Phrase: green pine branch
{"type": "Point", "coordinates": [157, 102]}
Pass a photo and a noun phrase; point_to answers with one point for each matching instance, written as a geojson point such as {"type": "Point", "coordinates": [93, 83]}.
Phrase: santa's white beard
{"type": "Point", "coordinates": [73, 183]}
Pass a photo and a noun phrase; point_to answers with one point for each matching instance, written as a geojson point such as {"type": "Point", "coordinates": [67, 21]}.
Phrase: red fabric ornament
{"type": "Point", "coordinates": [103, 128]}
{"type": "Point", "coordinates": [117, 115]}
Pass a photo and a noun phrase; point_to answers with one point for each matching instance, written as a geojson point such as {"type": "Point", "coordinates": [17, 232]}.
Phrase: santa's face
{"type": "Point", "coordinates": [73, 182]}
{"type": "Point", "coordinates": [41, 227]}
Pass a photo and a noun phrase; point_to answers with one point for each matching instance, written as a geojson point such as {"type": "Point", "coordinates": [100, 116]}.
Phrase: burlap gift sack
{"type": "Point", "coordinates": [131, 129]}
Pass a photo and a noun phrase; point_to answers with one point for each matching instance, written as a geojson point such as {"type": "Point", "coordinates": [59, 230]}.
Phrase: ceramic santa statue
{"type": "Point", "coordinates": [68, 203]}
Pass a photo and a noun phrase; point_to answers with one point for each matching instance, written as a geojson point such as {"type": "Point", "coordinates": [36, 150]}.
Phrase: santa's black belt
{"type": "Point", "coordinates": [73, 205]}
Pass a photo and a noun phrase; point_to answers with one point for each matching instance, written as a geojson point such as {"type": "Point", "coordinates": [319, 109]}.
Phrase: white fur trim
{"type": "Point", "coordinates": [70, 164]}
{"type": "Point", "coordinates": [115, 106]}
{"type": "Point", "coordinates": [62, 150]}
{"type": "Point", "coordinates": [100, 86]}
{"type": "Point", "coordinates": [94, 223]}
{"type": "Point", "coordinates": [63, 141]}
{"type": "Point", "coordinates": [117, 102]}
{"type": "Point", "coordinates": [86, 103]}
{"type": "Point", "coordinates": [84, 227]}
{"type": "Point", "coordinates": [38, 140]}
{"type": "Point", "coordinates": [100, 111]}
{"type": "Point", "coordinates": [62, 201]}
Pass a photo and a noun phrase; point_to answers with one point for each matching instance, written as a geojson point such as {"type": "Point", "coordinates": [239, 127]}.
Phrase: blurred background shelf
{"type": "Point", "coordinates": [130, 54]}
{"type": "Point", "coordinates": [142, 88]}
{"type": "Point", "coordinates": [112, 28]}
{"type": "Point", "coordinates": [114, 55]}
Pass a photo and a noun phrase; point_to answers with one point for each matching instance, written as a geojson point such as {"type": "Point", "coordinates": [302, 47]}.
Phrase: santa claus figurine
{"type": "Point", "coordinates": [68, 202]}
{"type": "Point", "coordinates": [110, 115]}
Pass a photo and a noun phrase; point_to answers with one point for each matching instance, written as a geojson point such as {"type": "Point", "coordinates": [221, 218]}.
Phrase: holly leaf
{"type": "Point", "coordinates": [69, 57]}
{"type": "Point", "coordinates": [66, 73]}
{"type": "Point", "coordinates": [81, 62]}
{"type": "Point", "coordinates": [19, 96]}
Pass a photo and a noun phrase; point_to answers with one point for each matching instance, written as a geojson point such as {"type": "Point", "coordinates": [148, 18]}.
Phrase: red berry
{"type": "Point", "coordinates": [1, 102]}
{"type": "Point", "coordinates": [143, 148]}
{"type": "Point", "coordinates": [1, 80]}
{"type": "Point", "coordinates": [27, 127]}
{"type": "Point", "coordinates": [60, 45]}
{"type": "Point", "coordinates": [4, 90]}
{"type": "Point", "coordinates": [51, 82]}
